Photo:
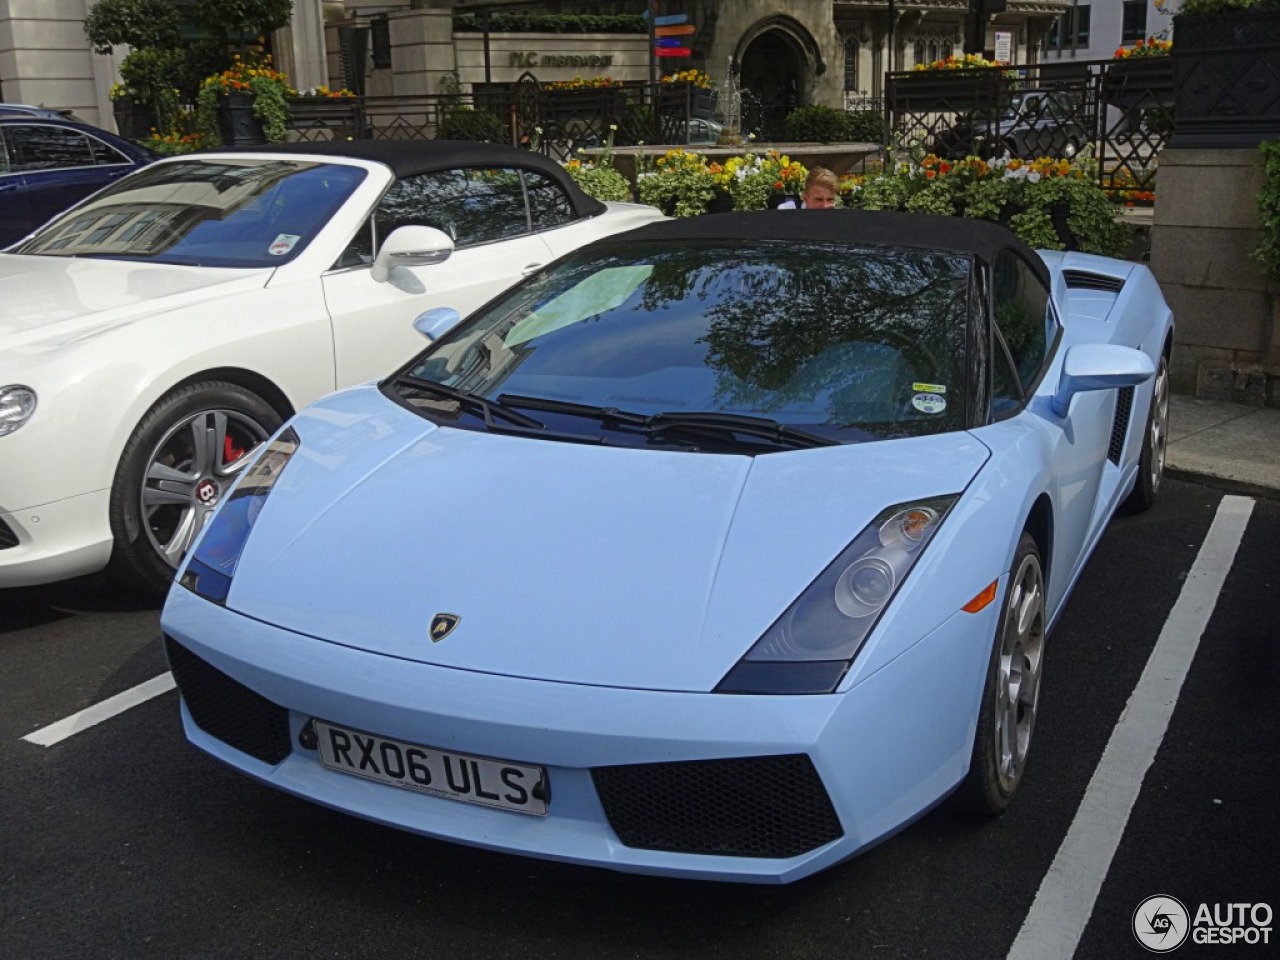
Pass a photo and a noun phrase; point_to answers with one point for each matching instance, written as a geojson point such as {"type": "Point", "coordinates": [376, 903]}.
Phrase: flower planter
{"type": "Point", "coordinates": [236, 122]}
{"type": "Point", "coordinates": [948, 91]}
{"type": "Point", "coordinates": [1139, 82]}
{"type": "Point", "coordinates": [1226, 79]}
{"type": "Point", "coordinates": [134, 119]}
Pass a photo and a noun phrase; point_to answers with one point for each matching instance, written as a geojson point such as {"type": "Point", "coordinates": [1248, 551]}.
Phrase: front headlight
{"type": "Point", "coordinates": [809, 648]}
{"type": "Point", "coordinates": [210, 569]}
{"type": "Point", "coordinates": [17, 404]}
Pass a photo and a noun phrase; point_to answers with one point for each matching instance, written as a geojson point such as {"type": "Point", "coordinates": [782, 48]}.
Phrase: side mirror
{"type": "Point", "coordinates": [411, 247]}
{"type": "Point", "coordinates": [434, 324]}
{"type": "Point", "coordinates": [1099, 366]}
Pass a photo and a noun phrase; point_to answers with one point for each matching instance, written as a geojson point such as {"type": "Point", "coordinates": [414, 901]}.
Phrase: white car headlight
{"type": "Point", "coordinates": [17, 404]}
{"type": "Point", "coordinates": [809, 648]}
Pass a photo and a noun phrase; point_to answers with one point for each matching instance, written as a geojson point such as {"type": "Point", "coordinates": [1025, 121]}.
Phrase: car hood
{"type": "Point", "coordinates": [569, 562]}
{"type": "Point", "coordinates": [68, 298]}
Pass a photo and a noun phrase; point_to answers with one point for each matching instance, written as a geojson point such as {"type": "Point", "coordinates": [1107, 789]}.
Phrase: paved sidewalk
{"type": "Point", "coordinates": [1225, 445]}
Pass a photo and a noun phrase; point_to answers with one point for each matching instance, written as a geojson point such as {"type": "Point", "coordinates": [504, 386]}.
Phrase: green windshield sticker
{"type": "Point", "coordinates": [595, 295]}
{"type": "Point", "coordinates": [928, 388]}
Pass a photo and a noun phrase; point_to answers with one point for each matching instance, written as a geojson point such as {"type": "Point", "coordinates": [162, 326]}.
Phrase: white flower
{"type": "Point", "coordinates": [1033, 177]}
{"type": "Point", "coordinates": [538, 131]}
{"type": "Point", "coordinates": [613, 126]}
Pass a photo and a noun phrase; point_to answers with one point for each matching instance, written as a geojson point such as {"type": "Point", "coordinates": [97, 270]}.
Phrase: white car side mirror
{"type": "Point", "coordinates": [411, 247]}
{"type": "Point", "coordinates": [1099, 366]}
{"type": "Point", "coordinates": [434, 324]}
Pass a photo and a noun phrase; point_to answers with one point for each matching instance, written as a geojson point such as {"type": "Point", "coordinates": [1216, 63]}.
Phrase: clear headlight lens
{"type": "Point", "coordinates": [809, 648]}
{"type": "Point", "coordinates": [17, 404]}
{"type": "Point", "coordinates": [210, 569]}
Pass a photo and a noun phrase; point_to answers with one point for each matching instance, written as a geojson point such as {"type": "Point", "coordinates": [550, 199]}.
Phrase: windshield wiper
{"type": "Point", "coordinates": [652, 424]}
{"type": "Point", "coordinates": [737, 423]}
{"type": "Point", "coordinates": [603, 414]}
{"type": "Point", "coordinates": [489, 408]}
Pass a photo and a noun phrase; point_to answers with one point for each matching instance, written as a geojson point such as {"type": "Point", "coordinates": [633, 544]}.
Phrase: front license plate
{"type": "Point", "coordinates": [491, 783]}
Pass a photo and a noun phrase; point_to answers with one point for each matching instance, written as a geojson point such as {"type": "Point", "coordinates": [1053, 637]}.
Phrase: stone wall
{"type": "Point", "coordinates": [1227, 337]}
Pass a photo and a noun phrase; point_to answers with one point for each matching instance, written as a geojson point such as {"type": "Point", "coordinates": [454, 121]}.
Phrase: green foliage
{"type": "Point", "coordinates": [1201, 8]}
{"type": "Point", "coordinates": [680, 186]}
{"type": "Point", "coordinates": [551, 23]}
{"type": "Point", "coordinates": [464, 123]}
{"type": "Point", "coordinates": [866, 126]}
{"type": "Point", "coordinates": [816, 122]}
{"type": "Point", "coordinates": [1032, 199]}
{"type": "Point", "coordinates": [599, 181]}
{"type": "Point", "coordinates": [147, 76]}
{"type": "Point", "coordinates": [1268, 251]}
{"type": "Point", "coordinates": [135, 23]}
{"type": "Point", "coordinates": [242, 18]}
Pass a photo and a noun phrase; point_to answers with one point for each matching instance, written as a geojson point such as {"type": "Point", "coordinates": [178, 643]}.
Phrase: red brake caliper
{"type": "Point", "coordinates": [230, 452]}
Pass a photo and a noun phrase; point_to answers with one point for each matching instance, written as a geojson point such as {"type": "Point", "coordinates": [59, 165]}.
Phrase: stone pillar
{"type": "Point", "coordinates": [299, 47]}
{"type": "Point", "coordinates": [1204, 232]}
{"type": "Point", "coordinates": [422, 51]}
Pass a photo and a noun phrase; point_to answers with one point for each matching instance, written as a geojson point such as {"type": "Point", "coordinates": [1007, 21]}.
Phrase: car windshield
{"type": "Point", "coordinates": [842, 342]}
{"type": "Point", "coordinates": [215, 212]}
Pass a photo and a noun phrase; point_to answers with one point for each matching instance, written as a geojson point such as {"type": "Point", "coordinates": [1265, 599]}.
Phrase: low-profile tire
{"type": "Point", "coordinates": [1011, 693]}
{"type": "Point", "coordinates": [177, 465]}
{"type": "Point", "coordinates": [1154, 442]}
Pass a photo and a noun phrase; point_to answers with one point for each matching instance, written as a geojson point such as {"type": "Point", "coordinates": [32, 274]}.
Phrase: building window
{"type": "Point", "coordinates": [1134, 25]}
{"type": "Point", "coordinates": [920, 52]}
{"type": "Point", "coordinates": [1069, 31]}
{"type": "Point", "coordinates": [851, 63]}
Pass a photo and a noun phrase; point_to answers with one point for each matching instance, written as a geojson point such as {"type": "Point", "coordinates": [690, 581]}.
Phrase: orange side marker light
{"type": "Point", "coordinates": [982, 599]}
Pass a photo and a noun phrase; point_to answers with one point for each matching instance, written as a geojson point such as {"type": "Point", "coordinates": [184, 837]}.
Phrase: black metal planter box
{"type": "Point", "coordinates": [1226, 77]}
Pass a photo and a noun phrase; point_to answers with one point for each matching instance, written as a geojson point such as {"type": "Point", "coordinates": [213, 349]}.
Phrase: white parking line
{"type": "Point", "coordinates": [112, 706]}
{"type": "Point", "coordinates": [1066, 896]}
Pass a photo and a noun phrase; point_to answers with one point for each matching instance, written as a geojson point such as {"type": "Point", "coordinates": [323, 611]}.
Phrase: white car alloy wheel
{"type": "Point", "coordinates": [176, 468]}
{"type": "Point", "coordinates": [1011, 693]}
{"type": "Point", "coordinates": [188, 473]}
{"type": "Point", "coordinates": [1158, 431]}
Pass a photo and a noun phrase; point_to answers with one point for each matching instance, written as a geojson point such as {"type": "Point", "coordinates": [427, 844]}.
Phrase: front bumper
{"type": "Point", "coordinates": [55, 541]}
{"type": "Point", "coordinates": [885, 751]}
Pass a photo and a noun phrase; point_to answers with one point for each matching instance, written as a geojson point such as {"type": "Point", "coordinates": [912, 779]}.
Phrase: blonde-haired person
{"type": "Point", "coordinates": [821, 188]}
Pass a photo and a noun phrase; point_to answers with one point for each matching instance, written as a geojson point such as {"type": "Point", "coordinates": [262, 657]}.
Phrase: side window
{"type": "Point", "coordinates": [104, 154]}
{"type": "Point", "coordinates": [39, 147]}
{"type": "Point", "coordinates": [4, 155]}
{"type": "Point", "coordinates": [549, 205]}
{"type": "Point", "coordinates": [1022, 315]}
{"type": "Point", "coordinates": [472, 206]}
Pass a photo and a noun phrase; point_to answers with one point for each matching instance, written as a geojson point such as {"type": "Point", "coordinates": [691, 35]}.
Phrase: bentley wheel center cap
{"type": "Point", "coordinates": [207, 492]}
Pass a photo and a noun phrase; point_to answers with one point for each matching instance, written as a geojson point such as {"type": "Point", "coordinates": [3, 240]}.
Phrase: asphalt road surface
{"type": "Point", "coordinates": [118, 839]}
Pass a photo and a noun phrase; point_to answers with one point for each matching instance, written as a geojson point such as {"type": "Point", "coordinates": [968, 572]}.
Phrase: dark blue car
{"type": "Point", "coordinates": [47, 164]}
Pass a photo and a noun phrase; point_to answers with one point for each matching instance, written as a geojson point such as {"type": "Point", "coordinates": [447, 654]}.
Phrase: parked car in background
{"type": "Point", "coordinates": [48, 163]}
{"type": "Point", "coordinates": [153, 337]}
{"type": "Point", "coordinates": [1037, 123]}
{"type": "Point", "coordinates": [719, 549]}
{"type": "Point", "coordinates": [26, 110]}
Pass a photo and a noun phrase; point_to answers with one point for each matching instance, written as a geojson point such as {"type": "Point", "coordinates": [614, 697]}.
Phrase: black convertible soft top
{"type": "Point", "coordinates": [966, 235]}
{"type": "Point", "coordinates": [408, 158]}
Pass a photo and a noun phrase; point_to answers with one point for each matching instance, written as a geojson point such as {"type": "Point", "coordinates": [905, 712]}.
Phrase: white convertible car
{"type": "Point", "coordinates": [154, 336]}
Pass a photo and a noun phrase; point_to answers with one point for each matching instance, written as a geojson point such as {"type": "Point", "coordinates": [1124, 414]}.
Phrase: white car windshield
{"type": "Point", "coordinates": [205, 212]}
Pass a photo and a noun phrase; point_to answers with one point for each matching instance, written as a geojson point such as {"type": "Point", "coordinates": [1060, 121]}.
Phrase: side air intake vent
{"type": "Point", "coordinates": [1120, 426]}
{"type": "Point", "coordinates": [7, 537]}
{"type": "Point", "coordinates": [1081, 280]}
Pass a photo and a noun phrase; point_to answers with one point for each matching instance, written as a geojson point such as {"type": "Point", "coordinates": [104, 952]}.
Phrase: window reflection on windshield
{"type": "Point", "coordinates": [225, 213]}
{"type": "Point", "coordinates": [823, 335]}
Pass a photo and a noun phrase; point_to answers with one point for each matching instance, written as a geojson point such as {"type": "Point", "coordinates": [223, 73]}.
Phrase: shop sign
{"type": "Point", "coordinates": [532, 58]}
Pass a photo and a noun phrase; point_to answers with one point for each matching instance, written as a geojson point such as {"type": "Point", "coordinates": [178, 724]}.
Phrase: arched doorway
{"type": "Point", "coordinates": [776, 60]}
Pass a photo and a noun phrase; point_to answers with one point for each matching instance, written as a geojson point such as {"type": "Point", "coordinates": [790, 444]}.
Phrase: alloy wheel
{"type": "Point", "coordinates": [1018, 680]}
{"type": "Point", "coordinates": [188, 473]}
{"type": "Point", "coordinates": [1158, 435]}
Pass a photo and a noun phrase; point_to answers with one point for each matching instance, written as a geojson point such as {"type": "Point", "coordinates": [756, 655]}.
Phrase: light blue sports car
{"type": "Point", "coordinates": [722, 548]}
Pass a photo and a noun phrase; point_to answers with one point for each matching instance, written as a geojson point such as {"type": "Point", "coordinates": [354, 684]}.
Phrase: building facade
{"type": "Point", "coordinates": [788, 52]}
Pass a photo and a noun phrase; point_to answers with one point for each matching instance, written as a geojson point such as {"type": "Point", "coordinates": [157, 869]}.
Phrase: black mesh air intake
{"type": "Point", "coordinates": [7, 537]}
{"type": "Point", "coordinates": [744, 807]}
{"type": "Point", "coordinates": [229, 710]}
{"type": "Point", "coordinates": [1120, 426]}
{"type": "Point", "coordinates": [1083, 280]}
